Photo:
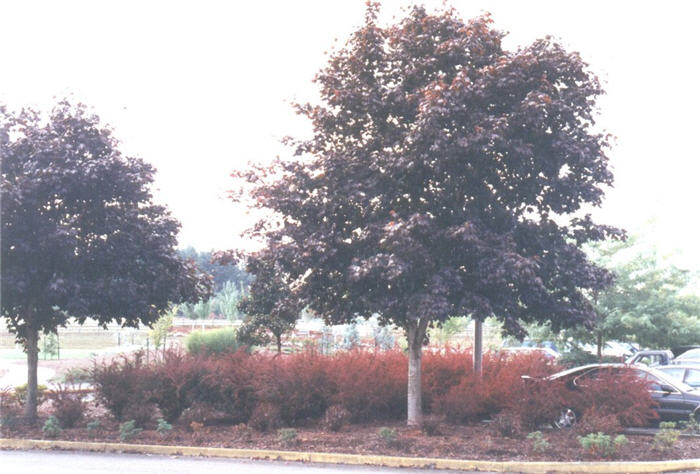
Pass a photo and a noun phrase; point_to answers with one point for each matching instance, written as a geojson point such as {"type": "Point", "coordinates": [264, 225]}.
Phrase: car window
{"type": "Point", "coordinates": [675, 372]}
{"type": "Point", "coordinates": [692, 377]}
{"type": "Point", "coordinates": [649, 360]}
{"type": "Point", "coordinates": [586, 377]}
{"type": "Point", "coordinates": [653, 381]}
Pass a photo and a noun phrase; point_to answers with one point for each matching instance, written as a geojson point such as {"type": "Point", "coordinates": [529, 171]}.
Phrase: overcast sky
{"type": "Point", "coordinates": [199, 88]}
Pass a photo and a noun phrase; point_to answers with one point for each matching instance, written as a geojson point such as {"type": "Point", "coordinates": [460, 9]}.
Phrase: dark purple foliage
{"type": "Point", "coordinates": [445, 176]}
{"type": "Point", "coordinates": [81, 236]}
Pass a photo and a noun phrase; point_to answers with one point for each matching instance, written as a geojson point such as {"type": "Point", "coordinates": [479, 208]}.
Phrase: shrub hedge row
{"type": "Point", "coordinates": [293, 390]}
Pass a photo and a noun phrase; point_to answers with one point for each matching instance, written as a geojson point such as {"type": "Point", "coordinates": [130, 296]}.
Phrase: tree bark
{"type": "Point", "coordinates": [599, 343]}
{"type": "Point", "coordinates": [478, 351]}
{"type": "Point", "coordinates": [32, 348]}
{"type": "Point", "coordinates": [415, 333]}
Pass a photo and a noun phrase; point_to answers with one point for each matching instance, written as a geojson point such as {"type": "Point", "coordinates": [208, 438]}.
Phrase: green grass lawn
{"type": "Point", "coordinates": [79, 345]}
{"type": "Point", "coordinates": [18, 354]}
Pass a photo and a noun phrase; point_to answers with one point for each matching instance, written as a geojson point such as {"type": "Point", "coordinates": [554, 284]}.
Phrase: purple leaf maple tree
{"type": "Point", "coordinates": [445, 176]}
{"type": "Point", "coordinates": [81, 237]}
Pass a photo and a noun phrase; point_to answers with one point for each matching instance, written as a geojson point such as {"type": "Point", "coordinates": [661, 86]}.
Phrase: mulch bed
{"type": "Point", "coordinates": [479, 441]}
{"type": "Point", "coordinates": [476, 442]}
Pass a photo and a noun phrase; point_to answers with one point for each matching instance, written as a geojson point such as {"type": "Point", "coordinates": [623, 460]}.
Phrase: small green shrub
{"type": "Point", "coordinates": [9, 421]}
{"type": "Point", "coordinates": [128, 430]}
{"type": "Point", "coordinates": [52, 428]}
{"type": "Point", "coordinates": [601, 445]}
{"type": "Point", "coordinates": [388, 435]}
{"type": "Point", "coordinates": [163, 427]}
{"type": "Point", "coordinates": [539, 444]}
{"type": "Point", "coordinates": [667, 436]}
{"type": "Point", "coordinates": [692, 426]}
{"type": "Point", "coordinates": [218, 341]}
{"type": "Point", "coordinates": [287, 436]}
{"type": "Point", "coordinates": [93, 427]}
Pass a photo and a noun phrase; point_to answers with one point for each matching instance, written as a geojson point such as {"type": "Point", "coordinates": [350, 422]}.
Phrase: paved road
{"type": "Point", "coordinates": [64, 462]}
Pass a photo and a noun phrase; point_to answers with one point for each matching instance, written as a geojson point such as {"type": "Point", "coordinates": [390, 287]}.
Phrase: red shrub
{"type": "Point", "coordinates": [176, 383]}
{"type": "Point", "coordinates": [595, 420]}
{"type": "Point", "coordinates": [539, 401]}
{"type": "Point", "coordinates": [121, 383]}
{"type": "Point", "coordinates": [265, 417]}
{"type": "Point", "coordinates": [335, 418]}
{"type": "Point", "coordinates": [441, 372]}
{"type": "Point", "coordinates": [370, 385]}
{"type": "Point", "coordinates": [68, 405]}
{"type": "Point", "coordinates": [224, 383]}
{"type": "Point", "coordinates": [616, 392]}
{"type": "Point", "coordinates": [299, 385]}
{"type": "Point", "coordinates": [500, 387]}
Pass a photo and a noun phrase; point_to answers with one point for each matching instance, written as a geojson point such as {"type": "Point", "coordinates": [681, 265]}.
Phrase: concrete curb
{"type": "Point", "coordinates": [356, 459]}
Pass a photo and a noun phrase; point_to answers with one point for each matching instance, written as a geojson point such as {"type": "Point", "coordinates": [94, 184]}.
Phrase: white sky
{"type": "Point", "coordinates": [199, 88]}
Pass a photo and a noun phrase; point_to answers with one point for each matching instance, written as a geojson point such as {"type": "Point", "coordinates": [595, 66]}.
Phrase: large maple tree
{"type": "Point", "coordinates": [81, 236]}
{"type": "Point", "coordinates": [445, 176]}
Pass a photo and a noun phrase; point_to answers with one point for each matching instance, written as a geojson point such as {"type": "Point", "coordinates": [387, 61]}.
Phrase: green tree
{"type": "Point", "coordinates": [351, 338]}
{"type": "Point", "coordinates": [222, 274]}
{"type": "Point", "coordinates": [160, 329]}
{"type": "Point", "coordinates": [226, 301]}
{"type": "Point", "coordinates": [443, 333]}
{"type": "Point", "coordinates": [199, 310]}
{"type": "Point", "coordinates": [651, 302]}
{"type": "Point", "coordinates": [270, 306]}
{"type": "Point", "coordinates": [442, 178]}
{"type": "Point", "coordinates": [80, 233]}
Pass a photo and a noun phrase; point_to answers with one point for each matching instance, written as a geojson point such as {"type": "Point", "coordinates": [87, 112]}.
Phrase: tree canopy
{"type": "Point", "coordinates": [81, 236]}
{"type": "Point", "coordinates": [445, 176]}
{"type": "Point", "coordinates": [270, 307]}
{"type": "Point", "coordinates": [222, 273]}
{"type": "Point", "coordinates": [650, 302]}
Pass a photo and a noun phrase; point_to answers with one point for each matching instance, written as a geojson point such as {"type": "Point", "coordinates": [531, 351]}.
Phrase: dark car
{"type": "Point", "coordinates": [676, 400]}
{"type": "Point", "coordinates": [688, 374]}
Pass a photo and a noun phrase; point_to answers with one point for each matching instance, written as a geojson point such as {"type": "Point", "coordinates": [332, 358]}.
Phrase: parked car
{"type": "Point", "coordinates": [688, 374]}
{"type": "Point", "coordinates": [546, 352]}
{"type": "Point", "coordinates": [618, 349]}
{"type": "Point", "coordinates": [688, 357]}
{"type": "Point", "coordinates": [676, 400]}
{"type": "Point", "coordinates": [651, 358]}
{"type": "Point", "coordinates": [678, 350]}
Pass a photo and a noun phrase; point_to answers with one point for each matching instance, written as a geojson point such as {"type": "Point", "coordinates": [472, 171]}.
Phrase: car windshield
{"type": "Point", "coordinates": [691, 354]}
{"type": "Point", "coordinates": [653, 375]}
{"type": "Point", "coordinates": [669, 380]}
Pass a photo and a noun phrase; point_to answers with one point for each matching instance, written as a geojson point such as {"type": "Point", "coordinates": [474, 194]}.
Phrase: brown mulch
{"type": "Point", "coordinates": [476, 442]}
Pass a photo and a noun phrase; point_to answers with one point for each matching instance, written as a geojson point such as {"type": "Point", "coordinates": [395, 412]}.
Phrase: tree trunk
{"type": "Point", "coordinates": [599, 343]}
{"type": "Point", "coordinates": [478, 351]}
{"type": "Point", "coordinates": [279, 344]}
{"type": "Point", "coordinates": [32, 348]}
{"type": "Point", "coordinates": [415, 333]}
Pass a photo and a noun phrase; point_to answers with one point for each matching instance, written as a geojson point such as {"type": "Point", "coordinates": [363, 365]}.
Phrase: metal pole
{"type": "Point", "coordinates": [478, 348]}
